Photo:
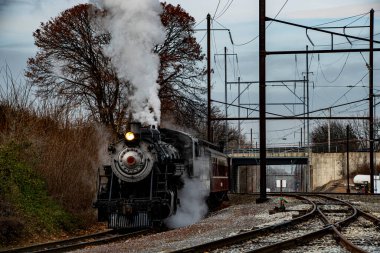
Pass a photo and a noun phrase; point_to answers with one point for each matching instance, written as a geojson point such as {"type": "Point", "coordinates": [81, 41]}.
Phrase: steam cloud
{"type": "Point", "coordinates": [135, 28]}
{"type": "Point", "coordinates": [193, 205]}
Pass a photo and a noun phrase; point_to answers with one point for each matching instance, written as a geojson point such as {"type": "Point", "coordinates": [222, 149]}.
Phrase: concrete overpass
{"type": "Point", "coordinates": [319, 168]}
{"type": "Point", "coordinates": [275, 156]}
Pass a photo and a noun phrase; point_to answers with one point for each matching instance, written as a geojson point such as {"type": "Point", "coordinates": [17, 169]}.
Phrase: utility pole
{"type": "Point", "coordinates": [239, 130]}
{"type": "Point", "coordinates": [304, 110]}
{"type": "Point", "coordinates": [251, 139]}
{"type": "Point", "coordinates": [329, 131]}
{"type": "Point", "coordinates": [348, 158]}
{"type": "Point", "coordinates": [225, 95]}
{"type": "Point", "coordinates": [209, 119]}
{"type": "Point", "coordinates": [308, 170]}
{"type": "Point", "coordinates": [371, 159]}
{"type": "Point", "coordinates": [209, 138]}
{"type": "Point", "coordinates": [262, 101]}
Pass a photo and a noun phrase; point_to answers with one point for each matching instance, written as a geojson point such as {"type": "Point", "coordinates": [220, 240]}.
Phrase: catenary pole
{"type": "Point", "coordinates": [262, 101]}
{"type": "Point", "coordinates": [371, 160]}
{"type": "Point", "coordinates": [209, 78]}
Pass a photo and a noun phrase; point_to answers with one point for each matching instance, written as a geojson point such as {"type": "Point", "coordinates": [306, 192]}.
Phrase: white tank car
{"type": "Point", "coordinates": [363, 179]}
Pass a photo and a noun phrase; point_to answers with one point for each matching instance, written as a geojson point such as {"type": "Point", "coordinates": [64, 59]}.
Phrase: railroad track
{"type": "Point", "coordinates": [329, 224]}
{"type": "Point", "coordinates": [80, 241]}
{"type": "Point", "coordinates": [248, 235]}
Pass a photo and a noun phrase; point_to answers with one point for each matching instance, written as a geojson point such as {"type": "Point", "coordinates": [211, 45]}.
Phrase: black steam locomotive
{"type": "Point", "coordinates": [139, 185]}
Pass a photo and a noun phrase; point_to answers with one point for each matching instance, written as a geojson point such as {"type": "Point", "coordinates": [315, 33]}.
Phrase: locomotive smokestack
{"type": "Point", "coordinates": [135, 127]}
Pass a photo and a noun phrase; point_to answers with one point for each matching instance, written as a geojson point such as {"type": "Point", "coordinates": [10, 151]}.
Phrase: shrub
{"type": "Point", "coordinates": [64, 155]}
{"type": "Point", "coordinates": [26, 192]}
{"type": "Point", "coordinates": [11, 229]}
{"type": "Point", "coordinates": [48, 161]}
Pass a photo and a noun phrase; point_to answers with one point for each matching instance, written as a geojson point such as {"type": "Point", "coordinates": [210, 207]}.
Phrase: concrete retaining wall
{"type": "Point", "coordinates": [326, 167]}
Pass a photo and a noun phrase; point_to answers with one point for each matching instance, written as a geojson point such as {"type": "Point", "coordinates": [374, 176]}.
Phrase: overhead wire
{"type": "Point", "coordinates": [366, 74]}
{"type": "Point", "coordinates": [312, 55]}
{"type": "Point", "coordinates": [204, 36]}
{"type": "Point", "coordinates": [236, 68]}
{"type": "Point", "coordinates": [339, 74]}
{"type": "Point", "coordinates": [320, 65]}
{"type": "Point", "coordinates": [226, 7]}
{"type": "Point", "coordinates": [348, 109]}
{"type": "Point", "coordinates": [278, 13]}
{"type": "Point", "coordinates": [217, 7]}
{"type": "Point", "coordinates": [216, 59]}
{"type": "Point", "coordinates": [200, 22]}
{"type": "Point", "coordinates": [341, 19]}
{"type": "Point", "coordinates": [218, 68]}
{"type": "Point", "coordinates": [229, 31]}
{"type": "Point", "coordinates": [350, 41]}
{"type": "Point", "coordinates": [343, 43]}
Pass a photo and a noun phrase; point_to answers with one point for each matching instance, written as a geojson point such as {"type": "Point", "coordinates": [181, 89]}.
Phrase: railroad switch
{"type": "Point", "coordinates": [281, 207]}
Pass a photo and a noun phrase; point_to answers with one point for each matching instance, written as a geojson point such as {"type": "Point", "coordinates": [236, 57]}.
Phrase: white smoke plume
{"type": "Point", "coordinates": [135, 28]}
{"type": "Point", "coordinates": [193, 205]}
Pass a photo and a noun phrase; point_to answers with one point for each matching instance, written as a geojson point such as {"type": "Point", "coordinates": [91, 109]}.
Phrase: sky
{"type": "Point", "coordinates": [334, 79]}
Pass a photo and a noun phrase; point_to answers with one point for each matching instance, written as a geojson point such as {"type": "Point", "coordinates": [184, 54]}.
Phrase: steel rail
{"type": "Point", "coordinates": [300, 240]}
{"type": "Point", "coordinates": [294, 242]}
{"type": "Point", "coordinates": [370, 217]}
{"type": "Point", "coordinates": [339, 237]}
{"type": "Point", "coordinates": [251, 234]}
{"type": "Point", "coordinates": [79, 242]}
{"type": "Point", "coordinates": [329, 228]}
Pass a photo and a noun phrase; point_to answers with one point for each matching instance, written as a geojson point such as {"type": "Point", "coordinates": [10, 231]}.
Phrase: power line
{"type": "Point", "coordinates": [200, 22]}
{"type": "Point", "coordinates": [350, 89]}
{"type": "Point", "coordinates": [226, 7]}
{"type": "Point", "coordinates": [278, 13]}
{"type": "Point", "coordinates": [340, 72]}
{"type": "Point", "coordinates": [349, 41]}
{"type": "Point", "coordinates": [229, 32]}
{"type": "Point", "coordinates": [217, 7]}
{"type": "Point", "coordinates": [341, 19]}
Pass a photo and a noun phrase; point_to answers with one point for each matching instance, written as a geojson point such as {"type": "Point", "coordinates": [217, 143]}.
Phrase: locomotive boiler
{"type": "Point", "coordinates": [138, 186]}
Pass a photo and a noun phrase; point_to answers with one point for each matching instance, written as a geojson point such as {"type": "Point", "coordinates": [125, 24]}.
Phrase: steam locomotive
{"type": "Point", "coordinates": [139, 185]}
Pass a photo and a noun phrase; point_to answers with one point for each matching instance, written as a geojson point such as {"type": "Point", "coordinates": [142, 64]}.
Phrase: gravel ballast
{"type": "Point", "coordinates": [241, 214]}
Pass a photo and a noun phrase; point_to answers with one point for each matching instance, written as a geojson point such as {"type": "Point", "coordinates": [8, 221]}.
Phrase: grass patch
{"type": "Point", "coordinates": [27, 193]}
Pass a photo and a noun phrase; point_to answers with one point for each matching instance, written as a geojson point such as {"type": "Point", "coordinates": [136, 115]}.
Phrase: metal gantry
{"type": "Point", "coordinates": [306, 115]}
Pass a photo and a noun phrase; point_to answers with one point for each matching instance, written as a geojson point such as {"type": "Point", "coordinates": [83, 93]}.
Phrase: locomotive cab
{"type": "Point", "coordinates": [204, 162]}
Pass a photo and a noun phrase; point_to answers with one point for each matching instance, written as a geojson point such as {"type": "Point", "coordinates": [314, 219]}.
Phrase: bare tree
{"type": "Point", "coordinates": [361, 129]}
{"type": "Point", "coordinates": [182, 71]}
{"type": "Point", "coordinates": [70, 65]}
{"type": "Point", "coordinates": [338, 137]}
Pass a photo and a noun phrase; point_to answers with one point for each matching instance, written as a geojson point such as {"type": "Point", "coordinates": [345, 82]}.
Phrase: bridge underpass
{"type": "Point", "coordinates": [245, 167]}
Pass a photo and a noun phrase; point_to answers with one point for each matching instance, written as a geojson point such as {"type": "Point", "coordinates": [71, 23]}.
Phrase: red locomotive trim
{"type": "Point", "coordinates": [219, 184]}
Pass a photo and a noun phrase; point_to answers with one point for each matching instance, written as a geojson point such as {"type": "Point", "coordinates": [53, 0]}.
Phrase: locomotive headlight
{"type": "Point", "coordinates": [129, 136]}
